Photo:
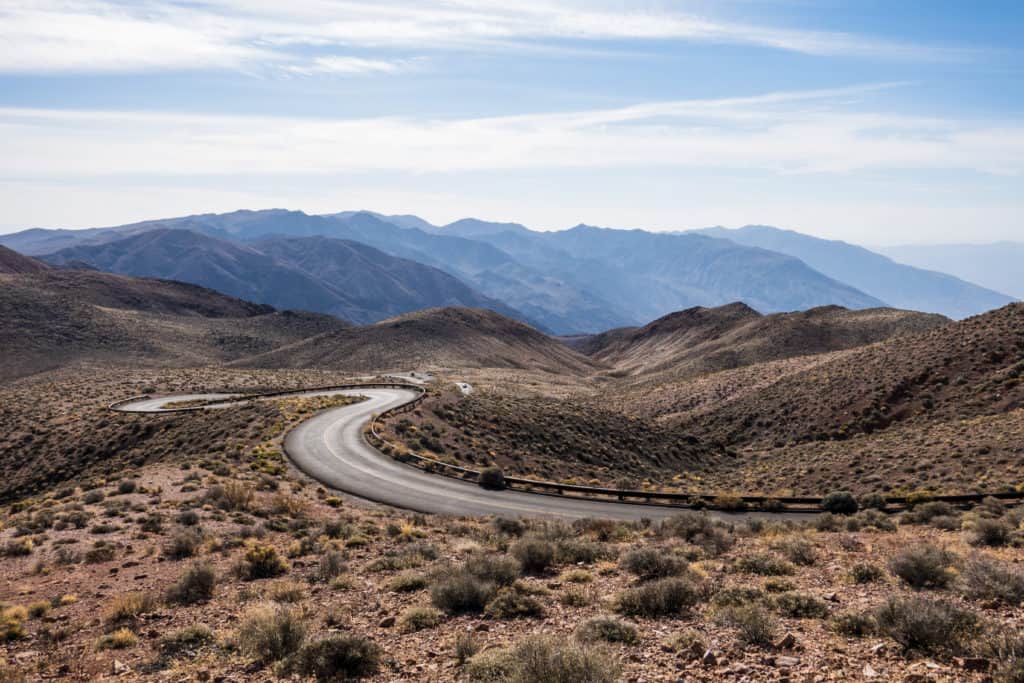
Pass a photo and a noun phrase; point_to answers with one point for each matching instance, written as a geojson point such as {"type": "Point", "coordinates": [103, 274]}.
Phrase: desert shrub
{"type": "Point", "coordinates": [924, 513]}
{"type": "Point", "coordinates": [865, 572]}
{"type": "Point", "coordinates": [661, 597]}
{"type": "Point", "coordinates": [947, 523]}
{"type": "Point", "coordinates": [652, 563]}
{"type": "Point", "coordinates": [580, 551]}
{"type": "Point", "coordinates": [187, 641]}
{"type": "Point", "coordinates": [340, 657]}
{"type": "Point", "coordinates": [754, 624]}
{"type": "Point", "coordinates": [100, 552]}
{"type": "Point", "coordinates": [419, 618]}
{"type": "Point", "coordinates": [840, 503]}
{"type": "Point", "coordinates": [460, 592]}
{"type": "Point", "coordinates": [491, 478]}
{"type": "Point", "coordinates": [261, 561]}
{"type": "Point", "coordinates": [699, 529]}
{"type": "Point", "coordinates": [153, 523]}
{"type": "Point", "coordinates": [993, 533]}
{"type": "Point", "coordinates": [800, 606]}
{"type": "Point", "coordinates": [735, 596]}
{"type": "Point", "coordinates": [854, 624]}
{"type": "Point", "coordinates": [331, 565]}
{"type": "Point", "coordinates": [39, 608]}
{"type": "Point", "coordinates": [92, 497]}
{"type": "Point", "coordinates": [870, 519]}
{"type": "Point", "coordinates": [686, 641]}
{"type": "Point", "coordinates": [534, 554]}
{"type": "Point", "coordinates": [925, 625]}
{"type": "Point", "coordinates": [578, 576]}
{"type": "Point", "coordinates": [231, 496]}
{"type": "Point", "coordinates": [608, 630]}
{"type": "Point", "coordinates": [986, 578]}
{"type": "Point", "coordinates": [764, 564]}
{"type": "Point", "coordinates": [798, 551]}
{"type": "Point", "coordinates": [182, 545]}
{"type": "Point", "coordinates": [828, 522]}
{"type": "Point", "coordinates": [406, 582]}
{"type": "Point", "coordinates": [548, 659]}
{"type": "Point", "coordinates": [129, 606]}
{"type": "Point", "coordinates": [126, 486]}
{"type": "Point", "coordinates": [464, 646]}
{"type": "Point", "coordinates": [269, 633]}
{"type": "Point", "coordinates": [578, 596]}
{"type": "Point", "coordinates": [924, 566]}
{"type": "Point", "coordinates": [287, 591]}
{"type": "Point", "coordinates": [1006, 649]}
{"type": "Point", "coordinates": [872, 501]}
{"type": "Point", "coordinates": [499, 569]}
{"type": "Point", "coordinates": [195, 585]}
{"type": "Point", "coordinates": [511, 604]}
{"type": "Point", "coordinates": [188, 518]}
{"type": "Point", "coordinates": [509, 527]}
{"type": "Point", "coordinates": [777, 584]}
{"type": "Point", "coordinates": [12, 623]}
{"type": "Point", "coordinates": [117, 640]}
{"type": "Point", "coordinates": [18, 547]}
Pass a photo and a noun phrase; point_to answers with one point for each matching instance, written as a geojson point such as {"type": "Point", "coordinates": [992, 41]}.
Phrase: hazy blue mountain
{"type": "Point", "coordinates": [998, 266]}
{"type": "Point", "coordinates": [346, 279]}
{"type": "Point", "coordinates": [651, 274]}
{"type": "Point", "coordinates": [899, 285]}
{"type": "Point", "coordinates": [474, 227]}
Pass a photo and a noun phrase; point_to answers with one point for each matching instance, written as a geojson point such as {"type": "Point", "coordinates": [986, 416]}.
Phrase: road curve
{"type": "Point", "coordinates": [330, 447]}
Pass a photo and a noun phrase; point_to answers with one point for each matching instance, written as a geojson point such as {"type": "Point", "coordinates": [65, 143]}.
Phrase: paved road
{"type": "Point", "coordinates": [330, 448]}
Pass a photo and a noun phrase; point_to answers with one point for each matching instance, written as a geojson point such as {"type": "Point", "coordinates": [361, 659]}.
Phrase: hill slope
{"type": "Point", "coordinates": [436, 338]}
{"type": "Point", "coordinates": [701, 340]}
{"type": "Point", "coordinates": [337, 277]}
{"type": "Point", "coordinates": [899, 285]}
{"type": "Point", "coordinates": [56, 318]}
{"type": "Point", "coordinates": [13, 262]}
{"type": "Point", "coordinates": [968, 369]}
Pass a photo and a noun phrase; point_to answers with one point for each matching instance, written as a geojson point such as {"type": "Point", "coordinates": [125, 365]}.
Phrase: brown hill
{"type": "Point", "coordinates": [702, 340]}
{"type": "Point", "coordinates": [53, 318]}
{"type": "Point", "coordinates": [956, 371]}
{"type": "Point", "coordinates": [438, 338]}
{"type": "Point", "coordinates": [13, 262]}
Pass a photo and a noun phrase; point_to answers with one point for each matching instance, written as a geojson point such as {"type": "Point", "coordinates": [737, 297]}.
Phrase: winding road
{"type": "Point", "coordinates": [330, 447]}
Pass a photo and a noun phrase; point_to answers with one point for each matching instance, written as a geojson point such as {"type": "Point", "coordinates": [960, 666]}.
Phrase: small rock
{"type": "Point", "coordinates": [119, 668]}
{"type": "Point", "coordinates": [709, 659]}
{"type": "Point", "coordinates": [787, 642]}
{"type": "Point", "coordinates": [832, 597]}
{"type": "Point", "coordinates": [386, 622]}
{"type": "Point", "coordinates": [878, 649]}
{"type": "Point", "coordinates": [869, 672]}
{"type": "Point", "coordinates": [786, 662]}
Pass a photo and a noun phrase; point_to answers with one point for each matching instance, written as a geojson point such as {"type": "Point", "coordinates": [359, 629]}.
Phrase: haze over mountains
{"type": "Point", "coordinates": [997, 265]}
{"type": "Point", "coordinates": [367, 267]}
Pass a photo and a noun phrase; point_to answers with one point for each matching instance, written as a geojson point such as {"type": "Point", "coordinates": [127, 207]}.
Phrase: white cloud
{"type": "Point", "coordinates": [800, 132]}
{"type": "Point", "coordinates": [138, 35]}
{"type": "Point", "coordinates": [354, 66]}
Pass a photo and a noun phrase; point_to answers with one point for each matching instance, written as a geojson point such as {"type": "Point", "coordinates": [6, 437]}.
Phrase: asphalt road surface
{"type": "Point", "coordinates": [330, 448]}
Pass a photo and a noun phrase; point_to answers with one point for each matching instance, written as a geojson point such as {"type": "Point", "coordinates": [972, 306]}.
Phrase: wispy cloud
{"type": "Point", "coordinates": [138, 35]}
{"type": "Point", "coordinates": [355, 66]}
{"type": "Point", "coordinates": [797, 132]}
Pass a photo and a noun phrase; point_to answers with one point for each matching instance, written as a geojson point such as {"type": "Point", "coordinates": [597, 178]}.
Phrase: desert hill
{"type": "Point", "coordinates": [13, 262]}
{"type": "Point", "coordinates": [55, 318]}
{"type": "Point", "coordinates": [968, 369]}
{"type": "Point", "coordinates": [701, 340]}
{"type": "Point", "coordinates": [439, 337]}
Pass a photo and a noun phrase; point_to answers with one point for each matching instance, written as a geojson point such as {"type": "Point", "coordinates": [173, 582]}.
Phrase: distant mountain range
{"type": "Point", "coordinates": [898, 285]}
{"type": "Point", "coordinates": [996, 265]}
{"type": "Point", "coordinates": [365, 267]}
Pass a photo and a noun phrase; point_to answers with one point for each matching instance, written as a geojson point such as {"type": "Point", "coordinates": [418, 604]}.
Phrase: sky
{"type": "Point", "coordinates": [876, 122]}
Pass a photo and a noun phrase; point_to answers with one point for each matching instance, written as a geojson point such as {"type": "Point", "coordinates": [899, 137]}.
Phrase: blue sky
{"type": "Point", "coordinates": [874, 122]}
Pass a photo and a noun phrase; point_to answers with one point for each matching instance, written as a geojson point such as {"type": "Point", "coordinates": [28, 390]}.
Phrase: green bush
{"type": "Point", "coordinates": [197, 584]}
{"type": "Point", "coordinates": [800, 606]}
{"type": "Point", "coordinates": [547, 659]}
{"type": "Point", "coordinates": [510, 604]}
{"type": "Point", "coordinates": [608, 630]}
{"type": "Point", "coordinates": [652, 563]}
{"type": "Point", "coordinates": [534, 554]}
{"type": "Point", "coordinates": [419, 618]}
{"type": "Point", "coordinates": [840, 503]}
{"type": "Point", "coordinates": [339, 657]}
{"type": "Point", "coordinates": [928, 626]}
{"type": "Point", "coordinates": [460, 592]}
{"type": "Point", "coordinates": [662, 597]}
{"type": "Point", "coordinates": [924, 566]}
{"type": "Point", "coordinates": [270, 633]}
